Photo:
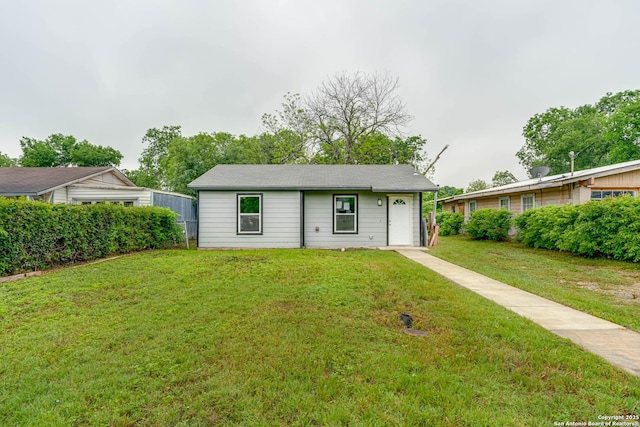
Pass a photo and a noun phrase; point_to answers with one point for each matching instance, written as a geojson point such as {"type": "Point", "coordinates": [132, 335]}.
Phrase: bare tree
{"type": "Point", "coordinates": [348, 108]}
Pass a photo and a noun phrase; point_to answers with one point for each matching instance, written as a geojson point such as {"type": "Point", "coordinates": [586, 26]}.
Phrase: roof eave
{"type": "Point", "coordinates": [93, 175]}
{"type": "Point", "coordinates": [405, 190]}
{"type": "Point", "coordinates": [31, 193]}
{"type": "Point", "coordinates": [529, 187]}
{"type": "Point", "coordinates": [318, 188]}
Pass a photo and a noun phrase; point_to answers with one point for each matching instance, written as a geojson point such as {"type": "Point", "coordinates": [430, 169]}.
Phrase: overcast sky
{"type": "Point", "coordinates": [471, 72]}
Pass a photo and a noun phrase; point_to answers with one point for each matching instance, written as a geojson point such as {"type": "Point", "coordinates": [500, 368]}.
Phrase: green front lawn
{"type": "Point", "coordinates": [287, 337]}
{"type": "Point", "coordinates": [604, 288]}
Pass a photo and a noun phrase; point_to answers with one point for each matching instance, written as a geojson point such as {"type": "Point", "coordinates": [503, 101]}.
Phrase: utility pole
{"type": "Point", "coordinates": [436, 159]}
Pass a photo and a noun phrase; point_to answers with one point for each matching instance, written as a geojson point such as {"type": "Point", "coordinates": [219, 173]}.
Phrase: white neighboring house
{"type": "Point", "coordinates": [88, 185]}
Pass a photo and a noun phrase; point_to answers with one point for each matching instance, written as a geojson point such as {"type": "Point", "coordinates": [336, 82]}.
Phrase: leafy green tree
{"type": "Point", "coordinates": [502, 178]}
{"type": "Point", "coordinates": [64, 150]}
{"type": "Point", "coordinates": [598, 134]}
{"type": "Point", "coordinates": [610, 103]}
{"type": "Point", "coordinates": [157, 147]}
{"type": "Point", "coordinates": [477, 185]}
{"type": "Point", "coordinates": [189, 157]}
{"type": "Point", "coordinates": [53, 151]}
{"type": "Point", "coordinates": [381, 149]}
{"type": "Point", "coordinates": [623, 131]}
{"type": "Point", "coordinates": [6, 161]}
{"type": "Point", "coordinates": [85, 154]}
{"type": "Point", "coordinates": [288, 132]}
{"type": "Point", "coordinates": [140, 178]}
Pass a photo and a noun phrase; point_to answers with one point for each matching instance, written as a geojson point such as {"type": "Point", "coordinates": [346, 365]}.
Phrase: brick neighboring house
{"type": "Point", "coordinates": [568, 188]}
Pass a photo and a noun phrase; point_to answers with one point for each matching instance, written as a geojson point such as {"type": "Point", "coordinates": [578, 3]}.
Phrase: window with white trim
{"type": "Point", "coordinates": [345, 213]}
{"type": "Point", "coordinates": [505, 203]}
{"type": "Point", "coordinates": [528, 201]}
{"type": "Point", "coordinates": [603, 194]}
{"type": "Point", "coordinates": [472, 206]}
{"type": "Point", "coordinates": [123, 202]}
{"type": "Point", "coordinates": [249, 213]}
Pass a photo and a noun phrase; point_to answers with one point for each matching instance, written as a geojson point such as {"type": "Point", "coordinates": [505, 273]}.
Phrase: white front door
{"type": "Point", "coordinates": [400, 229]}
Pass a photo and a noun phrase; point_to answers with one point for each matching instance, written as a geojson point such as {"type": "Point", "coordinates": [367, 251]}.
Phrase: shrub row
{"type": "Point", "coordinates": [450, 223]}
{"type": "Point", "coordinates": [489, 224]}
{"type": "Point", "coordinates": [35, 235]}
{"type": "Point", "coordinates": [608, 228]}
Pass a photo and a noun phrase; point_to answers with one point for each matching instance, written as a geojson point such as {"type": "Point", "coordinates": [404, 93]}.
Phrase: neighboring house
{"type": "Point", "coordinates": [296, 206]}
{"type": "Point", "coordinates": [569, 188]}
{"type": "Point", "coordinates": [88, 185]}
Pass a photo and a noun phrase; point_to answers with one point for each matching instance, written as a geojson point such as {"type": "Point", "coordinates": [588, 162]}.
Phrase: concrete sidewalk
{"type": "Point", "coordinates": [614, 343]}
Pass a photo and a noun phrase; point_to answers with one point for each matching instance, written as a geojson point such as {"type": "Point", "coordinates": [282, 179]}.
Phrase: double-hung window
{"type": "Point", "coordinates": [505, 203]}
{"type": "Point", "coordinates": [249, 213]}
{"type": "Point", "coordinates": [528, 201]}
{"type": "Point", "coordinates": [345, 213]}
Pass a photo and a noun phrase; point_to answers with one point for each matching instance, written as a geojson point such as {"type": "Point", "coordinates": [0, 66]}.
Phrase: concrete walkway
{"type": "Point", "coordinates": [618, 345]}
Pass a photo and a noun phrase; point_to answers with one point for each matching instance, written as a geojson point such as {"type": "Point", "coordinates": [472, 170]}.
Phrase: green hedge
{"type": "Point", "coordinates": [608, 228]}
{"type": "Point", "coordinates": [489, 224]}
{"type": "Point", "coordinates": [35, 235]}
{"type": "Point", "coordinates": [450, 223]}
{"type": "Point", "coordinates": [544, 227]}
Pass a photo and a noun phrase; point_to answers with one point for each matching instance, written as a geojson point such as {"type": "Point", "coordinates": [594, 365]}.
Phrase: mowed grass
{"type": "Point", "coordinates": [286, 337]}
{"type": "Point", "coordinates": [604, 288]}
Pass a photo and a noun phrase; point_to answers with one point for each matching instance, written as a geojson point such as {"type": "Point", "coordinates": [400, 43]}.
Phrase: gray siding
{"type": "Point", "coordinates": [218, 217]}
{"type": "Point", "coordinates": [416, 215]}
{"type": "Point", "coordinates": [372, 221]}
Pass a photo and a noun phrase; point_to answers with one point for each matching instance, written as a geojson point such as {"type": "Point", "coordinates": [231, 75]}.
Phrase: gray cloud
{"type": "Point", "coordinates": [471, 73]}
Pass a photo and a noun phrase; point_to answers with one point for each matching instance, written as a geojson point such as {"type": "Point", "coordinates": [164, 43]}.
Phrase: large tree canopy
{"type": "Point", "coordinates": [349, 119]}
{"type": "Point", "coordinates": [186, 158]}
{"type": "Point", "coordinates": [61, 150]}
{"type": "Point", "coordinates": [348, 109]}
{"type": "Point", "coordinates": [600, 134]}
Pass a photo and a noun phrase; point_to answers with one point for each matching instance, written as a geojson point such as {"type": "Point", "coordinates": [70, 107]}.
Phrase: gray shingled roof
{"type": "Point", "coordinates": [16, 181]}
{"type": "Point", "coordinates": [377, 178]}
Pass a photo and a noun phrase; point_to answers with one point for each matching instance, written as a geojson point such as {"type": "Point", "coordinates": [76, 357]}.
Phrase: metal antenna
{"type": "Point", "coordinates": [572, 155]}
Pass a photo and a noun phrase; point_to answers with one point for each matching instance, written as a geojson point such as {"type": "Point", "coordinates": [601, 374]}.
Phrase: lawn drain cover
{"type": "Point", "coordinates": [414, 332]}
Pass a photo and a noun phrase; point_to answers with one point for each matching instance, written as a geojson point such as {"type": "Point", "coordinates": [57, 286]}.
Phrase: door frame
{"type": "Point", "coordinates": [389, 201]}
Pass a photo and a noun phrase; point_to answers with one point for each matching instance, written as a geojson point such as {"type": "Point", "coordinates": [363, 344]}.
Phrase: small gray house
{"type": "Point", "coordinates": [298, 206]}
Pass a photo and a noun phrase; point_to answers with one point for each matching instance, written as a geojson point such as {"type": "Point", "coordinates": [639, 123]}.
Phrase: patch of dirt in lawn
{"type": "Point", "coordinates": [624, 293]}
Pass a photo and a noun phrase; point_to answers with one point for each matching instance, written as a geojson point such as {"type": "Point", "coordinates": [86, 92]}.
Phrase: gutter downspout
{"type": "Point", "coordinates": [301, 219]}
{"type": "Point", "coordinates": [198, 220]}
{"type": "Point", "coordinates": [435, 205]}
